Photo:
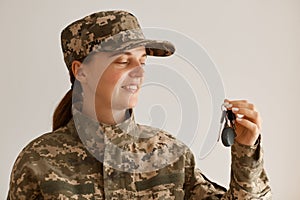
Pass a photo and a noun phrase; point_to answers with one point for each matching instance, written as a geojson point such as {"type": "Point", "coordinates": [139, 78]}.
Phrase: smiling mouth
{"type": "Point", "coordinates": [131, 88]}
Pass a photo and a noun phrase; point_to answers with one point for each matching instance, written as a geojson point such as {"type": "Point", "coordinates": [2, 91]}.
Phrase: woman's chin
{"type": "Point", "coordinates": [125, 103]}
{"type": "Point", "coordinates": [132, 102]}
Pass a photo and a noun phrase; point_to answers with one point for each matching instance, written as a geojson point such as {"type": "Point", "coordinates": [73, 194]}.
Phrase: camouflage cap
{"type": "Point", "coordinates": [108, 31]}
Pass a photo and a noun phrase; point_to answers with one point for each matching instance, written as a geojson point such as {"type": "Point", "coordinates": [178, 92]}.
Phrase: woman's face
{"type": "Point", "coordinates": [116, 78]}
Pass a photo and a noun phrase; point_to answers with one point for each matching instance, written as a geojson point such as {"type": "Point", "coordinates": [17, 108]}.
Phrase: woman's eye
{"type": "Point", "coordinates": [123, 62]}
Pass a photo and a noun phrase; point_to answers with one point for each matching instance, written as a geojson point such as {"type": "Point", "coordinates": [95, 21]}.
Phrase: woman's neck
{"type": "Point", "coordinates": [103, 114]}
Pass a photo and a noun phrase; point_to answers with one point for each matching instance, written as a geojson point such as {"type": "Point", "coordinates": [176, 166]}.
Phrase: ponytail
{"type": "Point", "coordinates": [63, 112]}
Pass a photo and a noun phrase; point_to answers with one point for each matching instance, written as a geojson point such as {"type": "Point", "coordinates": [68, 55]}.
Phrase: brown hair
{"type": "Point", "coordinates": [63, 112]}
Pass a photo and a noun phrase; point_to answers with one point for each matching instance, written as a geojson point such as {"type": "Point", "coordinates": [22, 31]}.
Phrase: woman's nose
{"type": "Point", "coordinates": [138, 71]}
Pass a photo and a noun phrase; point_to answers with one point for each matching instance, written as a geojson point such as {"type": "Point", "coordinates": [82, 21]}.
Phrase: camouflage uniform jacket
{"type": "Point", "coordinates": [88, 160]}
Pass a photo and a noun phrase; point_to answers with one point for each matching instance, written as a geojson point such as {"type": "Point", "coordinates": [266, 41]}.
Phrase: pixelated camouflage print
{"type": "Point", "coordinates": [108, 31]}
{"type": "Point", "coordinates": [58, 166]}
{"type": "Point", "coordinates": [128, 146]}
{"type": "Point", "coordinates": [247, 164]}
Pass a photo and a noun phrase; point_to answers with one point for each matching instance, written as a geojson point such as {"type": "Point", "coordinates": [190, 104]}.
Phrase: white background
{"type": "Point", "coordinates": [255, 44]}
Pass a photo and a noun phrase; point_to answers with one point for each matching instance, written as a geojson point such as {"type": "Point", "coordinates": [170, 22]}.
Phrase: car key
{"type": "Point", "coordinates": [228, 132]}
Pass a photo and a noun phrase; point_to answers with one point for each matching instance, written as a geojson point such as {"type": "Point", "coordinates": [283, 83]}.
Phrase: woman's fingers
{"type": "Point", "coordinates": [249, 114]}
{"type": "Point", "coordinates": [249, 125]}
{"type": "Point", "coordinates": [248, 134]}
{"type": "Point", "coordinates": [241, 104]}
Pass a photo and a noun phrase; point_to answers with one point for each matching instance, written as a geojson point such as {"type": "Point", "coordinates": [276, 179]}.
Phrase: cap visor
{"type": "Point", "coordinates": [153, 47]}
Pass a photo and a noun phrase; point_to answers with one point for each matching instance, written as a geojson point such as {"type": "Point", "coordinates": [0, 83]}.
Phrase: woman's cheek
{"type": "Point", "coordinates": [111, 79]}
{"type": "Point", "coordinates": [114, 77]}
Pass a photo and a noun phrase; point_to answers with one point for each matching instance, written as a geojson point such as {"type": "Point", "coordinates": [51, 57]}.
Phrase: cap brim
{"type": "Point", "coordinates": [159, 48]}
{"type": "Point", "coordinates": [153, 47]}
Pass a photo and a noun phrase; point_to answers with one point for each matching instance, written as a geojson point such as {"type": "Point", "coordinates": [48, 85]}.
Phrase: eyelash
{"type": "Point", "coordinates": [127, 62]}
{"type": "Point", "coordinates": [123, 63]}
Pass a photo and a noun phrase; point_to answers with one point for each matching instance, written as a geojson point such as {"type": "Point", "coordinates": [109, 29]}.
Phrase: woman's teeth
{"type": "Point", "coordinates": [130, 88]}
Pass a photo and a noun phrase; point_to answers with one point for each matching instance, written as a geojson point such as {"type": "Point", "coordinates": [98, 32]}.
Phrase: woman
{"type": "Point", "coordinates": [97, 151]}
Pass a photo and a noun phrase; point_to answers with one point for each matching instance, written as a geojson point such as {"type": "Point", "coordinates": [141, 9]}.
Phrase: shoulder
{"type": "Point", "coordinates": [59, 138]}
{"type": "Point", "coordinates": [49, 146]}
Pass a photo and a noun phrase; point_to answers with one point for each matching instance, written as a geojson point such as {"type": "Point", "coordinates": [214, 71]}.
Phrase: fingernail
{"type": "Point", "coordinates": [239, 119]}
{"type": "Point", "coordinates": [239, 116]}
{"type": "Point", "coordinates": [235, 109]}
{"type": "Point", "coordinates": [228, 105]}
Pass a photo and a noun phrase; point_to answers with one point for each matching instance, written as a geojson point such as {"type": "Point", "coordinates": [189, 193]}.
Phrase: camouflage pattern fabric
{"type": "Point", "coordinates": [127, 146]}
{"type": "Point", "coordinates": [58, 166]}
{"type": "Point", "coordinates": [108, 31]}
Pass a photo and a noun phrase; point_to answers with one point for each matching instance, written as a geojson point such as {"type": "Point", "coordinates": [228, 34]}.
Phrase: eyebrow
{"type": "Point", "coordinates": [126, 53]}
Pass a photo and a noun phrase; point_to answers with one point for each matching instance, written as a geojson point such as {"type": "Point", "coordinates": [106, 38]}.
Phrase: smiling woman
{"type": "Point", "coordinates": [97, 151]}
{"type": "Point", "coordinates": [112, 81]}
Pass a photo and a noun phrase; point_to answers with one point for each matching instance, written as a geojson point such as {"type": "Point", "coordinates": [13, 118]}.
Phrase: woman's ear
{"type": "Point", "coordinates": [78, 71]}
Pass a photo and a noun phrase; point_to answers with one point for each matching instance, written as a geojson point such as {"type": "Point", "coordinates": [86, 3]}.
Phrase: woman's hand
{"type": "Point", "coordinates": [249, 126]}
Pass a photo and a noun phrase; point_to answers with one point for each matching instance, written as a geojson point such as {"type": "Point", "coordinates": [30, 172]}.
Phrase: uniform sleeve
{"type": "Point", "coordinates": [23, 181]}
{"type": "Point", "coordinates": [248, 177]}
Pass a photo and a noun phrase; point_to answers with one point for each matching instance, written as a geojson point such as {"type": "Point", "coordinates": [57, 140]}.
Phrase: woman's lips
{"type": "Point", "coordinates": [131, 88]}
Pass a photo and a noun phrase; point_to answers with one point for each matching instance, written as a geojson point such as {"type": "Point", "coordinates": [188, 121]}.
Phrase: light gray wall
{"type": "Point", "coordinates": [254, 43]}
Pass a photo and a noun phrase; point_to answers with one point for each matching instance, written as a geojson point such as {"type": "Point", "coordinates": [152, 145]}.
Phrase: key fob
{"type": "Point", "coordinates": [228, 132]}
{"type": "Point", "coordinates": [228, 136]}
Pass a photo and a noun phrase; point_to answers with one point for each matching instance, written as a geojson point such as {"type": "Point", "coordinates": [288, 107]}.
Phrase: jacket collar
{"type": "Point", "coordinates": [95, 136]}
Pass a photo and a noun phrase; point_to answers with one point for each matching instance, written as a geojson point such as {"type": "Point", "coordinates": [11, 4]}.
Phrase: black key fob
{"type": "Point", "coordinates": [228, 136]}
{"type": "Point", "coordinates": [228, 133]}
